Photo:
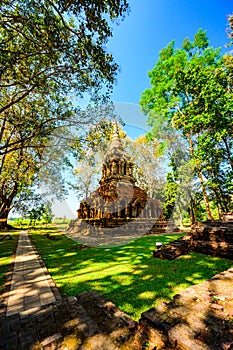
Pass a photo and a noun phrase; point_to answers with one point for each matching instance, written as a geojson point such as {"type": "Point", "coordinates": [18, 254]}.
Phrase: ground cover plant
{"type": "Point", "coordinates": [127, 275]}
{"type": "Point", "coordinates": [7, 247]}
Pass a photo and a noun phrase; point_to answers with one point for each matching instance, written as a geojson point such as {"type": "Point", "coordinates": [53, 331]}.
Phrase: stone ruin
{"type": "Point", "coordinates": [212, 237]}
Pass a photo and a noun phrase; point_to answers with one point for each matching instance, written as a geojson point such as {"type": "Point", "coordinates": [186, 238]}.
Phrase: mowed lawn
{"type": "Point", "coordinates": [127, 275]}
{"type": "Point", "coordinates": [7, 248]}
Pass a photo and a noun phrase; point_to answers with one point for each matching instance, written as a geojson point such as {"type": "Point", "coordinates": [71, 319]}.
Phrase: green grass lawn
{"type": "Point", "coordinates": [7, 247]}
{"type": "Point", "coordinates": [127, 275]}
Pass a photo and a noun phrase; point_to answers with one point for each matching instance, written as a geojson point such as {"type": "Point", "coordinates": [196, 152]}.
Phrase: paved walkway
{"type": "Point", "coordinates": [31, 283]}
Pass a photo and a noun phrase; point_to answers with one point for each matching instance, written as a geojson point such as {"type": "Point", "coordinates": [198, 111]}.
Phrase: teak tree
{"type": "Point", "coordinates": [191, 93]}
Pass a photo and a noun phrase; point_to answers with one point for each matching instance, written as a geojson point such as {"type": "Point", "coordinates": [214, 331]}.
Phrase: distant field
{"type": "Point", "coordinates": [25, 223]}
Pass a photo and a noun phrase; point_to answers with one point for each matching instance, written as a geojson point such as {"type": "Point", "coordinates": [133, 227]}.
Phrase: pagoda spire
{"type": "Point", "coordinates": [116, 147]}
{"type": "Point", "coordinates": [117, 165]}
{"type": "Point", "coordinates": [116, 150]}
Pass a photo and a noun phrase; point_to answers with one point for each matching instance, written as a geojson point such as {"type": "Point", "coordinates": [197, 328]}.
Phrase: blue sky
{"type": "Point", "coordinates": [150, 26]}
{"type": "Point", "coordinates": [136, 44]}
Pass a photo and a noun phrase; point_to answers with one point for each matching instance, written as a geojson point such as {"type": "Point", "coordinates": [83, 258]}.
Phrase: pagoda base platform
{"type": "Point", "coordinates": [113, 231]}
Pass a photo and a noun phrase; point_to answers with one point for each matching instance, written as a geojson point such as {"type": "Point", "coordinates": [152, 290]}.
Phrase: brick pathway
{"type": "Point", "coordinates": [31, 283]}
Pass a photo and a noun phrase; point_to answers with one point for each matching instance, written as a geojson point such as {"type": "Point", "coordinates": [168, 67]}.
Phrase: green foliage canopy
{"type": "Point", "coordinates": [51, 52]}
{"type": "Point", "coordinates": [191, 92]}
{"type": "Point", "coordinates": [55, 46]}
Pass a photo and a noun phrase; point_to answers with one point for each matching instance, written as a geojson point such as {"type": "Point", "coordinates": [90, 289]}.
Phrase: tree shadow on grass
{"type": "Point", "coordinates": [127, 275]}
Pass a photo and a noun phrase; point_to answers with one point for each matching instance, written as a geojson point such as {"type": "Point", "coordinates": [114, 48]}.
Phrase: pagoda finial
{"type": "Point", "coordinates": [116, 149]}
{"type": "Point", "coordinates": [115, 128]}
{"type": "Point", "coordinates": [116, 141]}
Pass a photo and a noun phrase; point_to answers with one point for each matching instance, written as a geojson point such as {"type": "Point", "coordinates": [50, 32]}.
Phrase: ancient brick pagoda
{"type": "Point", "coordinates": [117, 199]}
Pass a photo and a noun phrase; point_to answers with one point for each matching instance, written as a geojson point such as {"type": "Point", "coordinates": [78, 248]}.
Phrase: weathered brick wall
{"type": "Point", "coordinates": [213, 238]}
{"type": "Point", "coordinates": [199, 318]}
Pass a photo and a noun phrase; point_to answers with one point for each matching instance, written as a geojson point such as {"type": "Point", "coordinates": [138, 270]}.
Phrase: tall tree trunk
{"type": "Point", "coordinates": [228, 151]}
{"type": "Point", "coordinates": [6, 206]}
{"type": "Point", "coordinates": [3, 218]}
{"type": "Point", "coordinates": [205, 196]}
{"type": "Point", "coordinates": [221, 199]}
{"type": "Point", "coordinates": [180, 216]}
{"type": "Point", "coordinates": [193, 211]}
{"type": "Point", "coordinates": [204, 192]}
